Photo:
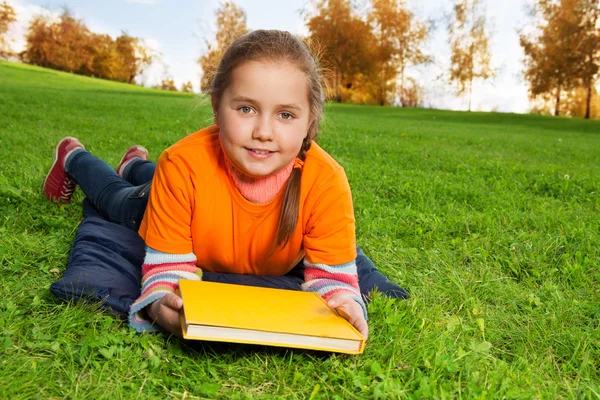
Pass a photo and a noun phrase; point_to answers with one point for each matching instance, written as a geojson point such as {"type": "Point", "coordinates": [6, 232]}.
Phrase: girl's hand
{"type": "Point", "coordinates": [165, 312]}
{"type": "Point", "coordinates": [351, 310]}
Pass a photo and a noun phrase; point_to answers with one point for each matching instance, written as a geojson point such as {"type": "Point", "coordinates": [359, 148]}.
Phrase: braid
{"type": "Point", "coordinates": [288, 218]}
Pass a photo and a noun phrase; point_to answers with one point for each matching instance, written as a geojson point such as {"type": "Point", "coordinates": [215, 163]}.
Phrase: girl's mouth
{"type": "Point", "coordinates": [260, 153]}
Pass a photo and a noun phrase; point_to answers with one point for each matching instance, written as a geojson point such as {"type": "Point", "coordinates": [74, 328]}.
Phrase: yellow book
{"type": "Point", "coordinates": [275, 317]}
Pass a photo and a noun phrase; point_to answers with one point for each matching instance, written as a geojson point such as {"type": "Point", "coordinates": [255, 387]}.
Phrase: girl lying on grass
{"type": "Point", "coordinates": [252, 194]}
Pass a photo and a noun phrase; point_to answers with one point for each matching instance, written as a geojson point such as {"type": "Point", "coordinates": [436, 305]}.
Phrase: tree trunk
{"type": "Point", "coordinates": [588, 101]}
{"type": "Point", "coordinates": [338, 89]}
{"type": "Point", "coordinates": [471, 73]}
{"type": "Point", "coordinates": [402, 85]}
{"type": "Point", "coordinates": [557, 107]}
{"type": "Point", "coordinates": [470, 92]}
{"type": "Point", "coordinates": [382, 86]}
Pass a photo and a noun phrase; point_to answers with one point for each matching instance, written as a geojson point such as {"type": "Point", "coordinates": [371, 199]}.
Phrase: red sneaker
{"type": "Point", "coordinates": [57, 185]}
{"type": "Point", "coordinates": [132, 153]}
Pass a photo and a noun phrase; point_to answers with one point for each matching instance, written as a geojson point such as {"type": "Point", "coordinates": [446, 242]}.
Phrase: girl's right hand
{"type": "Point", "coordinates": [165, 312]}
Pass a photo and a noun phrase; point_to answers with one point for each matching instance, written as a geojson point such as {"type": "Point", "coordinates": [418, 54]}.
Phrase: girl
{"type": "Point", "coordinates": [252, 194]}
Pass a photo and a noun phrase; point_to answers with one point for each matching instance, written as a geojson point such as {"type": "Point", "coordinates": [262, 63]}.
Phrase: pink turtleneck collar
{"type": "Point", "coordinates": [259, 190]}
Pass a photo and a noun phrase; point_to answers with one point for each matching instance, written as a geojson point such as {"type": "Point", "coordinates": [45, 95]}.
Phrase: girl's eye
{"type": "Point", "coordinates": [286, 115]}
{"type": "Point", "coordinates": [245, 109]}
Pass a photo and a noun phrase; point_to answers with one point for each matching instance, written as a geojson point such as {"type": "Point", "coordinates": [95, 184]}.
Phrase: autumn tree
{"type": "Point", "coordinates": [134, 55]}
{"type": "Point", "coordinates": [574, 103]}
{"type": "Point", "coordinates": [469, 44]}
{"type": "Point", "coordinates": [231, 24]}
{"type": "Point", "coordinates": [186, 87]}
{"type": "Point", "coordinates": [68, 45]}
{"type": "Point", "coordinates": [411, 94]}
{"type": "Point", "coordinates": [347, 43]}
{"type": "Point", "coordinates": [400, 40]}
{"type": "Point", "coordinates": [561, 53]}
{"type": "Point", "coordinates": [583, 102]}
{"type": "Point", "coordinates": [7, 17]}
{"type": "Point", "coordinates": [167, 84]}
{"type": "Point", "coordinates": [587, 13]}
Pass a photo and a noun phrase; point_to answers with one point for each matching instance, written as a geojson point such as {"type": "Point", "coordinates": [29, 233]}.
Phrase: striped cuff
{"type": "Point", "coordinates": [329, 280]}
{"type": "Point", "coordinates": [161, 274]}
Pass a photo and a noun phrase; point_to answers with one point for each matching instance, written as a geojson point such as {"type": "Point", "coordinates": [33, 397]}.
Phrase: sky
{"type": "Point", "coordinates": [178, 29]}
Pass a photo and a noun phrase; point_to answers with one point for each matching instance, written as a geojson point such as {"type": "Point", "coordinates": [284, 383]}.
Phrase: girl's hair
{"type": "Point", "coordinates": [278, 46]}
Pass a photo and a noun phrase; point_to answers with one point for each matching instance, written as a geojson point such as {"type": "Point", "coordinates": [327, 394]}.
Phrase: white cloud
{"type": "Point", "coordinates": [18, 29]}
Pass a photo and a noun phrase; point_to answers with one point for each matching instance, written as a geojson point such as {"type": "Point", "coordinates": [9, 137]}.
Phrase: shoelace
{"type": "Point", "coordinates": [67, 189]}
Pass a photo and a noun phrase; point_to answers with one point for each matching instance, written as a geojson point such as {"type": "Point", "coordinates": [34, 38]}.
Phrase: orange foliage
{"type": "Point", "coordinates": [573, 101]}
{"type": "Point", "coordinates": [7, 17]}
{"type": "Point", "coordinates": [347, 41]}
{"type": "Point", "coordinates": [68, 45]}
{"type": "Point", "coordinates": [168, 84]}
{"type": "Point", "coordinates": [562, 54]}
{"type": "Point", "coordinates": [187, 87]}
{"type": "Point", "coordinates": [367, 54]}
{"type": "Point", "coordinates": [469, 43]}
{"type": "Point", "coordinates": [231, 24]}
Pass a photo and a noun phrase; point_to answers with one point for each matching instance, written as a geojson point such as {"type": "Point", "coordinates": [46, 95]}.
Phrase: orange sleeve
{"type": "Point", "coordinates": [167, 222]}
{"type": "Point", "coordinates": [329, 236]}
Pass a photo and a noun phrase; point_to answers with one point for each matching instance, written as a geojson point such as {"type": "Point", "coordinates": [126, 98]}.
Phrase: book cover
{"type": "Point", "coordinates": [277, 317]}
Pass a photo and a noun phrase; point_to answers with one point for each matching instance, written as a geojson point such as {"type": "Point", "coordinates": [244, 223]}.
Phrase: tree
{"type": "Point", "coordinates": [581, 102]}
{"type": "Point", "coordinates": [574, 103]}
{"type": "Point", "coordinates": [186, 87]}
{"type": "Point", "coordinates": [469, 44]}
{"type": "Point", "coordinates": [68, 45]}
{"type": "Point", "coordinates": [63, 45]}
{"type": "Point", "coordinates": [347, 41]}
{"type": "Point", "coordinates": [400, 39]}
{"type": "Point", "coordinates": [134, 55]}
{"type": "Point", "coordinates": [231, 24]}
{"type": "Point", "coordinates": [562, 51]}
{"type": "Point", "coordinates": [107, 62]}
{"type": "Point", "coordinates": [7, 17]}
{"type": "Point", "coordinates": [168, 84]}
{"type": "Point", "coordinates": [588, 14]}
{"type": "Point", "coordinates": [411, 94]}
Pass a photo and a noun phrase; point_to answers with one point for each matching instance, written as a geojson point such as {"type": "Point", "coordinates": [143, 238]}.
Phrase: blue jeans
{"type": "Point", "coordinates": [119, 200]}
{"type": "Point", "coordinates": [123, 201]}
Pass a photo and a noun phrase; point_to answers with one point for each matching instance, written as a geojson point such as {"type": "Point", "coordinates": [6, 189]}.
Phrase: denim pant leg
{"type": "Point", "coordinates": [118, 200]}
{"type": "Point", "coordinates": [139, 172]}
{"type": "Point", "coordinates": [369, 278]}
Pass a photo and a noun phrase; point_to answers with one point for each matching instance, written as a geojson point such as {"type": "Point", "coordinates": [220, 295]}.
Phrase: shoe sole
{"type": "Point", "coordinates": [53, 165]}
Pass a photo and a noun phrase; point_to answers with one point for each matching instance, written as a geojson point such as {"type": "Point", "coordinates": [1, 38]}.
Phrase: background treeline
{"type": "Point", "coordinates": [366, 51]}
{"type": "Point", "coordinates": [68, 45]}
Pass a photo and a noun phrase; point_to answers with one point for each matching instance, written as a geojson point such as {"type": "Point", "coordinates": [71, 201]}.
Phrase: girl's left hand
{"type": "Point", "coordinates": [351, 310]}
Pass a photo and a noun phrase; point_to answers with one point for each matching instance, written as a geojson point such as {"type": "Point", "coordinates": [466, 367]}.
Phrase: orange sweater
{"type": "Point", "coordinates": [194, 207]}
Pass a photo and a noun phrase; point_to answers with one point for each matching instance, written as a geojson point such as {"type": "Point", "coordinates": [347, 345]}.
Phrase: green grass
{"type": "Point", "coordinates": [492, 221]}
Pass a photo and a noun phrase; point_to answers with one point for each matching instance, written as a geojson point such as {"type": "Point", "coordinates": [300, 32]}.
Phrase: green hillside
{"type": "Point", "coordinates": [491, 220]}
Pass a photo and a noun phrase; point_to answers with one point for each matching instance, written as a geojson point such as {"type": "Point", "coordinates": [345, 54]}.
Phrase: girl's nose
{"type": "Point", "coordinates": [263, 130]}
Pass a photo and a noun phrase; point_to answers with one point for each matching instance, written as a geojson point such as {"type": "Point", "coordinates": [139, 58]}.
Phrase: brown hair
{"type": "Point", "coordinates": [278, 46]}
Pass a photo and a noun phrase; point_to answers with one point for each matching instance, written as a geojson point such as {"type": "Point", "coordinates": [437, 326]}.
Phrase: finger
{"type": "Point", "coordinates": [354, 314]}
{"type": "Point", "coordinates": [173, 301]}
{"type": "Point", "coordinates": [361, 325]}
{"type": "Point", "coordinates": [170, 320]}
{"type": "Point", "coordinates": [338, 300]}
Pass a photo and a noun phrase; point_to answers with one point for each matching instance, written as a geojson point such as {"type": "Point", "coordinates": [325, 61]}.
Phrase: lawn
{"type": "Point", "coordinates": [492, 221]}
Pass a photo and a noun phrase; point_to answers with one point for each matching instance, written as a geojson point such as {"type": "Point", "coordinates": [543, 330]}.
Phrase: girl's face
{"type": "Point", "coordinates": [263, 116]}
